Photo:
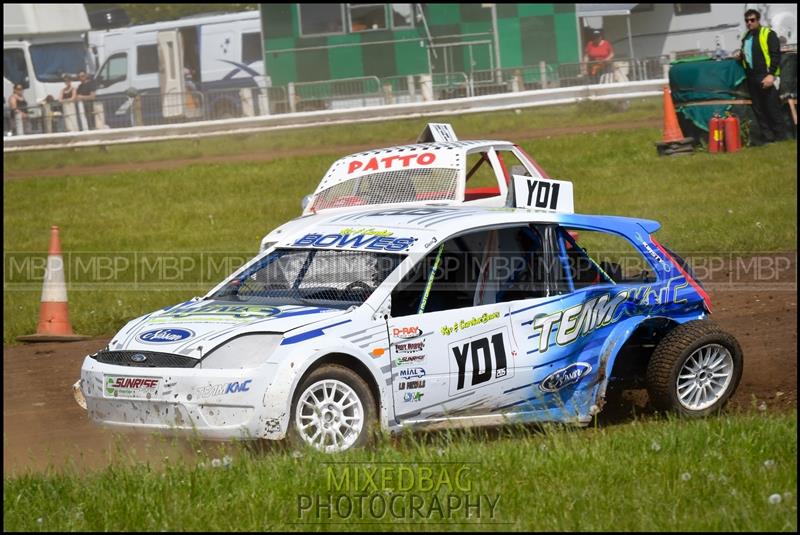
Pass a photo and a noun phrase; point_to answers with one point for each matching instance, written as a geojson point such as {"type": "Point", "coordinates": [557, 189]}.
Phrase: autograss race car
{"type": "Point", "coordinates": [419, 316]}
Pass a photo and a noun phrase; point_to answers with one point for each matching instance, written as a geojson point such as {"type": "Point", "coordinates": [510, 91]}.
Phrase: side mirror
{"type": "Point", "coordinates": [305, 201]}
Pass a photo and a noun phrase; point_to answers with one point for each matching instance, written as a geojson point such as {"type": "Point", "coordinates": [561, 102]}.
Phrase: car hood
{"type": "Point", "coordinates": [182, 329]}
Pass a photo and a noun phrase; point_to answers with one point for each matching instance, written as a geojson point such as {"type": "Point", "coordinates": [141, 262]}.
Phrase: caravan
{"type": "Point", "coordinates": [207, 66]}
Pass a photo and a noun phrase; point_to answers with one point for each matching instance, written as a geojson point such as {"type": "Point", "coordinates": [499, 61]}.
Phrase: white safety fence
{"type": "Point", "coordinates": [367, 113]}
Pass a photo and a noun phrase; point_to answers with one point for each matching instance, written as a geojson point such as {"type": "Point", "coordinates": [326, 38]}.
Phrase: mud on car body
{"type": "Point", "coordinates": [418, 316]}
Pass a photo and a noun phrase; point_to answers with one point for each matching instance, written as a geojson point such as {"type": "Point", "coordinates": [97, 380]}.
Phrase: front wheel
{"type": "Point", "coordinates": [334, 410]}
{"type": "Point", "coordinates": [695, 369]}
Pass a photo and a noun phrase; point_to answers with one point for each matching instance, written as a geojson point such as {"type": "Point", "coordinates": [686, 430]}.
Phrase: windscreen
{"type": "Point", "coordinates": [333, 278]}
{"type": "Point", "coordinates": [53, 60]}
{"type": "Point", "coordinates": [401, 186]}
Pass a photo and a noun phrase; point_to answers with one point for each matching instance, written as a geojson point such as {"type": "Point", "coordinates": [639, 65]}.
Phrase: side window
{"type": "Point", "coordinates": [480, 268]}
{"type": "Point", "coordinates": [480, 173]}
{"type": "Point", "coordinates": [251, 47]}
{"type": "Point", "coordinates": [115, 69]}
{"type": "Point", "coordinates": [320, 19]}
{"type": "Point", "coordinates": [402, 15]}
{"type": "Point", "coordinates": [147, 59]}
{"type": "Point", "coordinates": [512, 164]}
{"type": "Point", "coordinates": [365, 17]}
{"type": "Point", "coordinates": [14, 68]}
{"type": "Point", "coordinates": [592, 257]}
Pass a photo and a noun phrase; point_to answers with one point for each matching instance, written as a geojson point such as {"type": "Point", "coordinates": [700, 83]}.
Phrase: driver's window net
{"type": "Point", "coordinates": [403, 186]}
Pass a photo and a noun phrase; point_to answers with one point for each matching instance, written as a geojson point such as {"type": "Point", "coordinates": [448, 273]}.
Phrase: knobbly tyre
{"type": "Point", "coordinates": [420, 315]}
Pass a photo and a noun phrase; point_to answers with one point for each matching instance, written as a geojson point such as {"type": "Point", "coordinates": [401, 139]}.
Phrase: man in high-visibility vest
{"type": "Point", "coordinates": [761, 59]}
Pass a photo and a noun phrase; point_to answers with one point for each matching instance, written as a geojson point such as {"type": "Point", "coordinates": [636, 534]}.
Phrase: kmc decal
{"type": "Point", "coordinates": [225, 388]}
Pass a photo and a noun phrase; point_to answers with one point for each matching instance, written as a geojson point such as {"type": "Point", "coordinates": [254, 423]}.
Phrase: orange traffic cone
{"type": "Point", "coordinates": [54, 323]}
{"type": "Point", "coordinates": [673, 141]}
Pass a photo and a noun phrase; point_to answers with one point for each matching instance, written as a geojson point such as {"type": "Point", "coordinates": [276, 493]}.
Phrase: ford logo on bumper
{"type": "Point", "coordinates": [138, 357]}
{"type": "Point", "coordinates": [164, 336]}
{"type": "Point", "coordinates": [564, 377]}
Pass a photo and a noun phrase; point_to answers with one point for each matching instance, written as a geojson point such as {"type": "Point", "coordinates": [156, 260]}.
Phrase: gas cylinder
{"type": "Point", "coordinates": [715, 135]}
{"type": "Point", "coordinates": [731, 133]}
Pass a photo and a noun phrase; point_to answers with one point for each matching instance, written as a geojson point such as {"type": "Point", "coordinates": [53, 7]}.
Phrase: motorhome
{"type": "Point", "coordinates": [649, 30]}
{"type": "Point", "coordinates": [194, 67]}
{"type": "Point", "coordinates": [41, 43]}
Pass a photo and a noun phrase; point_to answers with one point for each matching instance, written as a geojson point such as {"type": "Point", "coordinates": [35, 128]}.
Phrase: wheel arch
{"type": "Point", "coordinates": [622, 352]}
{"type": "Point", "coordinates": [345, 360]}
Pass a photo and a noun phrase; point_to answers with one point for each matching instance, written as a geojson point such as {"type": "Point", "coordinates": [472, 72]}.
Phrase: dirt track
{"type": "Point", "coordinates": [42, 423]}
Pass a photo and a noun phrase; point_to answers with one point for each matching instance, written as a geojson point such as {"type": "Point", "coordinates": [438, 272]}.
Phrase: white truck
{"type": "Point", "coordinates": [41, 43]}
{"type": "Point", "coordinates": [215, 58]}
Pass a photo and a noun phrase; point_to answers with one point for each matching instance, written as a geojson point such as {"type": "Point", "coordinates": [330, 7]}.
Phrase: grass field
{"type": "Point", "coordinates": [740, 202]}
{"type": "Point", "coordinates": [732, 473]}
{"type": "Point", "coordinates": [467, 126]}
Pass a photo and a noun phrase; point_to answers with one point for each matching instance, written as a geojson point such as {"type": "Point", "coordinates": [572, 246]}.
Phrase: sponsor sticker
{"type": "Point", "coordinates": [356, 241]}
{"type": "Point", "coordinates": [564, 377]}
{"type": "Point", "coordinates": [408, 385]}
{"type": "Point", "coordinates": [406, 332]}
{"type": "Point", "coordinates": [412, 373]}
{"type": "Point", "coordinates": [164, 336]}
{"type": "Point", "coordinates": [413, 396]}
{"type": "Point", "coordinates": [461, 325]}
{"type": "Point", "coordinates": [224, 388]}
{"type": "Point", "coordinates": [408, 359]}
{"type": "Point", "coordinates": [410, 347]}
{"type": "Point", "coordinates": [398, 161]}
{"type": "Point", "coordinates": [218, 312]}
{"type": "Point", "coordinates": [130, 387]}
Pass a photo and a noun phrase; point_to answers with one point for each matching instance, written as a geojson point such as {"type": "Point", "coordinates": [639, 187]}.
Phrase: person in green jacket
{"type": "Point", "coordinates": [761, 59]}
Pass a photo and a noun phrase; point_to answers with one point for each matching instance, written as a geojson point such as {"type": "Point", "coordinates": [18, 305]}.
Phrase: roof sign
{"type": "Point", "coordinates": [437, 132]}
{"type": "Point", "coordinates": [543, 194]}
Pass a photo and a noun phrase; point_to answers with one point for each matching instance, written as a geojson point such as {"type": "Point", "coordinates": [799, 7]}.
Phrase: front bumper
{"type": "Point", "coordinates": [209, 404]}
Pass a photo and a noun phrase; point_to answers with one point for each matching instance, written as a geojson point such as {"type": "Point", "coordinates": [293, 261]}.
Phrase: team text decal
{"type": "Point", "coordinates": [579, 320]}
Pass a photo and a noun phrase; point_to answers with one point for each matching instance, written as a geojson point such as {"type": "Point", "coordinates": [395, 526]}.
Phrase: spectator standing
{"type": "Point", "coordinates": [68, 91]}
{"type": "Point", "coordinates": [597, 56]}
{"type": "Point", "coordinates": [761, 59]}
{"type": "Point", "coordinates": [19, 109]}
{"type": "Point", "coordinates": [85, 97]}
{"type": "Point", "coordinates": [69, 111]}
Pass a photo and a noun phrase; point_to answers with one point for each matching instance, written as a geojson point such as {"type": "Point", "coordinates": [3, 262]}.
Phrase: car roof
{"type": "Point", "coordinates": [448, 154]}
{"type": "Point", "coordinates": [424, 222]}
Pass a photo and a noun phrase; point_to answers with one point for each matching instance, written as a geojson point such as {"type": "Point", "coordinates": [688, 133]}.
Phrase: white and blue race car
{"type": "Point", "coordinates": [420, 315]}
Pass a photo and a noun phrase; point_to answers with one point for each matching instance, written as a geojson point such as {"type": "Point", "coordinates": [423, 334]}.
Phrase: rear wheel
{"type": "Point", "coordinates": [695, 369]}
{"type": "Point", "coordinates": [333, 411]}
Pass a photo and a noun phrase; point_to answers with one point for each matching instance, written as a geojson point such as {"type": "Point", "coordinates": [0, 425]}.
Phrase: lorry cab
{"type": "Point", "coordinates": [41, 43]}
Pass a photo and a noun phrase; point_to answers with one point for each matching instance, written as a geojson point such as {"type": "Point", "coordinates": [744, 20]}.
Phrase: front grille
{"type": "Point", "coordinates": [153, 360]}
